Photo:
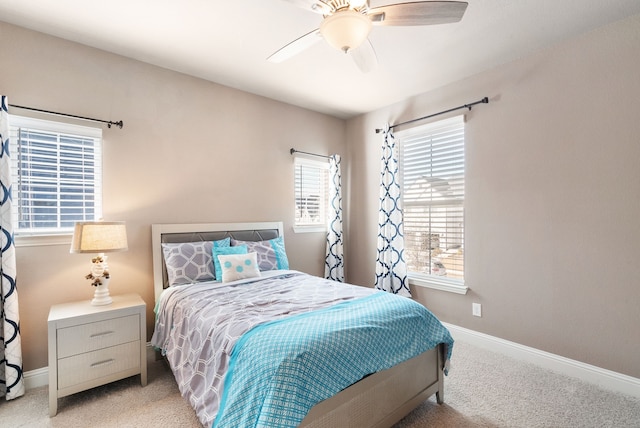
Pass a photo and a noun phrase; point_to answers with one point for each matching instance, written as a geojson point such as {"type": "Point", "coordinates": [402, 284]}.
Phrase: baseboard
{"type": "Point", "coordinates": [603, 378]}
{"type": "Point", "coordinates": [36, 378]}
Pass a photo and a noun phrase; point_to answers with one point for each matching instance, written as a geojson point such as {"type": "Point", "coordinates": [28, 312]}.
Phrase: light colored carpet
{"type": "Point", "coordinates": [484, 389]}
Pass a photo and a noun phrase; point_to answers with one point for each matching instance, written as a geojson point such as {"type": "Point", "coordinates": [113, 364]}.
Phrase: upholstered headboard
{"type": "Point", "coordinates": [176, 233]}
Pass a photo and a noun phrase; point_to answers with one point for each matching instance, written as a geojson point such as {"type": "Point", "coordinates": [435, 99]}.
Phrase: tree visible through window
{"type": "Point", "coordinates": [432, 170]}
{"type": "Point", "coordinates": [57, 175]}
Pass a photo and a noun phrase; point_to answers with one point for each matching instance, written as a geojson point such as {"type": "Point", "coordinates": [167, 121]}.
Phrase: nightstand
{"type": "Point", "coordinates": [90, 345]}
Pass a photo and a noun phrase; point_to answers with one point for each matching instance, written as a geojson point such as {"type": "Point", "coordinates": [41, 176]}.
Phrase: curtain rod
{"type": "Point", "coordinates": [292, 151]}
{"type": "Point", "coordinates": [485, 100]}
{"type": "Point", "coordinates": [119, 124]}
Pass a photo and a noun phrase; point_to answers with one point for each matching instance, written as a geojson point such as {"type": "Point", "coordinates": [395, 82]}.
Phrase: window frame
{"type": "Point", "coordinates": [55, 235]}
{"type": "Point", "coordinates": [432, 281]}
{"type": "Point", "coordinates": [323, 165]}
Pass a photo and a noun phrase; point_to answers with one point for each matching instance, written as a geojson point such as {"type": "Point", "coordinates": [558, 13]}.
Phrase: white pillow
{"type": "Point", "coordinates": [238, 266]}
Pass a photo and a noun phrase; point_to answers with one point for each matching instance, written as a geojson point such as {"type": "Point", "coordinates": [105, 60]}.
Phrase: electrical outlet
{"type": "Point", "coordinates": [476, 309]}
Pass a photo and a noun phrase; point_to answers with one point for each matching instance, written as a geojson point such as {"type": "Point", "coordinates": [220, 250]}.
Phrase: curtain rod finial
{"type": "Point", "coordinates": [292, 151]}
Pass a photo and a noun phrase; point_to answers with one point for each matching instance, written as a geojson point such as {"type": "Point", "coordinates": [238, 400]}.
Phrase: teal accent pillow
{"type": "Point", "coordinates": [226, 242]}
{"type": "Point", "coordinates": [216, 251]}
{"type": "Point", "coordinates": [281, 254]}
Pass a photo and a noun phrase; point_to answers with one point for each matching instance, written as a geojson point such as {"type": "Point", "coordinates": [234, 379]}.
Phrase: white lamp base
{"type": "Point", "coordinates": [101, 296]}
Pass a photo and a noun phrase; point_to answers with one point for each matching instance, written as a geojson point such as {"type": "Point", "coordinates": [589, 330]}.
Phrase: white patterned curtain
{"type": "Point", "coordinates": [11, 375]}
{"type": "Point", "coordinates": [334, 262]}
{"type": "Point", "coordinates": [391, 269]}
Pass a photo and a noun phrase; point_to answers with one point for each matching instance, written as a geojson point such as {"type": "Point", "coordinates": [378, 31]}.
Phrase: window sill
{"type": "Point", "coordinates": [309, 229]}
{"type": "Point", "coordinates": [43, 240]}
{"type": "Point", "coordinates": [443, 284]}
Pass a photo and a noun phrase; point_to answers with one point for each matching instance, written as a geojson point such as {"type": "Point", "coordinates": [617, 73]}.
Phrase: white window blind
{"type": "Point", "coordinates": [432, 171]}
{"type": "Point", "coordinates": [311, 192]}
{"type": "Point", "coordinates": [56, 173]}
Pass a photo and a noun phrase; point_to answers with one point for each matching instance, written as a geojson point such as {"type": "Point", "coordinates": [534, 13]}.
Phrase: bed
{"type": "Point", "coordinates": [374, 399]}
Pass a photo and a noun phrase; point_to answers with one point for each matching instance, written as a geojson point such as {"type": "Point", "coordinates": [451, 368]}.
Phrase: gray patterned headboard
{"type": "Point", "coordinates": [175, 233]}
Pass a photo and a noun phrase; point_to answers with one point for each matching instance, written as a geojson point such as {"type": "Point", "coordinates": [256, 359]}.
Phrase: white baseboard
{"type": "Point", "coordinates": [604, 378]}
{"type": "Point", "coordinates": [36, 378]}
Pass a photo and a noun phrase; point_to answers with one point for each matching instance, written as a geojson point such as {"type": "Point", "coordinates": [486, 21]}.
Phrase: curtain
{"type": "Point", "coordinates": [391, 269]}
{"type": "Point", "coordinates": [11, 375]}
{"type": "Point", "coordinates": [334, 262]}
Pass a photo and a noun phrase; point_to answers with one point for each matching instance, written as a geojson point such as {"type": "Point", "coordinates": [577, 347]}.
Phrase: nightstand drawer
{"type": "Point", "coordinates": [94, 365]}
{"type": "Point", "coordinates": [97, 335]}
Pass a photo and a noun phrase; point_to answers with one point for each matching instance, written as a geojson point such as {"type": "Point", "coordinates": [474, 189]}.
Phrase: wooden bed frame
{"type": "Point", "coordinates": [379, 400]}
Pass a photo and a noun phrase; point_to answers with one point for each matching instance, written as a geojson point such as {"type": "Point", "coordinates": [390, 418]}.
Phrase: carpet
{"type": "Point", "coordinates": [483, 389]}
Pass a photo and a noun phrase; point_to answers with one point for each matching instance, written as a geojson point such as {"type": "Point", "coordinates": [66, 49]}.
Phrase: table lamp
{"type": "Point", "coordinates": [99, 237]}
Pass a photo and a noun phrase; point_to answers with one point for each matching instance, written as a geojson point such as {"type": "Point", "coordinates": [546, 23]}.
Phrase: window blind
{"type": "Point", "coordinates": [57, 175]}
{"type": "Point", "coordinates": [432, 171]}
{"type": "Point", "coordinates": [311, 192]}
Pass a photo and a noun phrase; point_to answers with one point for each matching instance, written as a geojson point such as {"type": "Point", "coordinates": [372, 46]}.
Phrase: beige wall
{"type": "Point", "coordinates": [552, 198]}
{"type": "Point", "coordinates": [190, 151]}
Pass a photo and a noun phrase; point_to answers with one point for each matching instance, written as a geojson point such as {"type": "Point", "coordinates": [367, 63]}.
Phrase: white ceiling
{"type": "Point", "coordinates": [228, 41]}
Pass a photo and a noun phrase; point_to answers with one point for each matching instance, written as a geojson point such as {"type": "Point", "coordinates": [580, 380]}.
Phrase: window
{"type": "Point", "coordinates": [56, 175]}
{"type": "Point", "coordinates": [432, 176]}
{"type": "Point", "coordinates": [311, 194]}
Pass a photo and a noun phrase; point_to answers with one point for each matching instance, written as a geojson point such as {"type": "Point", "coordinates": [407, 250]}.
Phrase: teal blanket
{"type": "Point", "coordinates": [279, 370]}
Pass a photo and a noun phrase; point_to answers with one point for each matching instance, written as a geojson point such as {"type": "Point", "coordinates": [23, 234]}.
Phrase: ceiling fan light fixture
{"type": "Point", "coordinates": [345, 29]}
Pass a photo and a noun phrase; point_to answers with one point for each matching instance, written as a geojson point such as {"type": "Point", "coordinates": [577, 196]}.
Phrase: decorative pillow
{"type": "Point", "coordinates": [223, 251]}
{"type": "Point", "coordinates": [226, 242]}
{"type": "Point", "coordinates": [271, 253]}
{"type": "Point", "coordinates": [190, 262]}
{"type": "Point", "coordinates": [238, 266]}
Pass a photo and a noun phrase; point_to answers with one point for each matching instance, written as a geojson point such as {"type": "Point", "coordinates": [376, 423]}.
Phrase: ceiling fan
{"type": "Point", "coordinates": [347, 23]}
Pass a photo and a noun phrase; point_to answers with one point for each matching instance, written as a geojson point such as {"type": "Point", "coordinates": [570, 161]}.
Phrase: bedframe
{"type": "Point", "coordinates": [378, 400]}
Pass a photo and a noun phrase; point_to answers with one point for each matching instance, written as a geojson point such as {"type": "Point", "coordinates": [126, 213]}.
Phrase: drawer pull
{"type": "Point", "coordinates": [103, 334]}
{"type": "Point", "coordinates": [102, 363]}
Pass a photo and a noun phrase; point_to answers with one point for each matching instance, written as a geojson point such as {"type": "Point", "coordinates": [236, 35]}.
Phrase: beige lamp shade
{"type": "Point", "coordinates": [99, 237]}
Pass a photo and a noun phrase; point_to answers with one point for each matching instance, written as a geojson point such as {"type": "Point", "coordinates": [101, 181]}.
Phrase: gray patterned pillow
{"type": "Point", "coordinates": [271, 253]}
{"type": "Point", "coordinates": [190, 262]}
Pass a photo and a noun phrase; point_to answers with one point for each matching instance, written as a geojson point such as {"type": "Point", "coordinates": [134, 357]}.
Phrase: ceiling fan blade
{"type": "Point", "coordinates": [295, 47]}
{"type": "Point", "coordinates": [317, 6]}
{"type": "Point", "coordinates": [365, 57]}
{"type": "Point", "coordinates": [418, 13]}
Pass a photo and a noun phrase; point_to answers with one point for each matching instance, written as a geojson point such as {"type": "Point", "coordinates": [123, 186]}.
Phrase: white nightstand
{"type": "Point", "coordinates": [94, 345]}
